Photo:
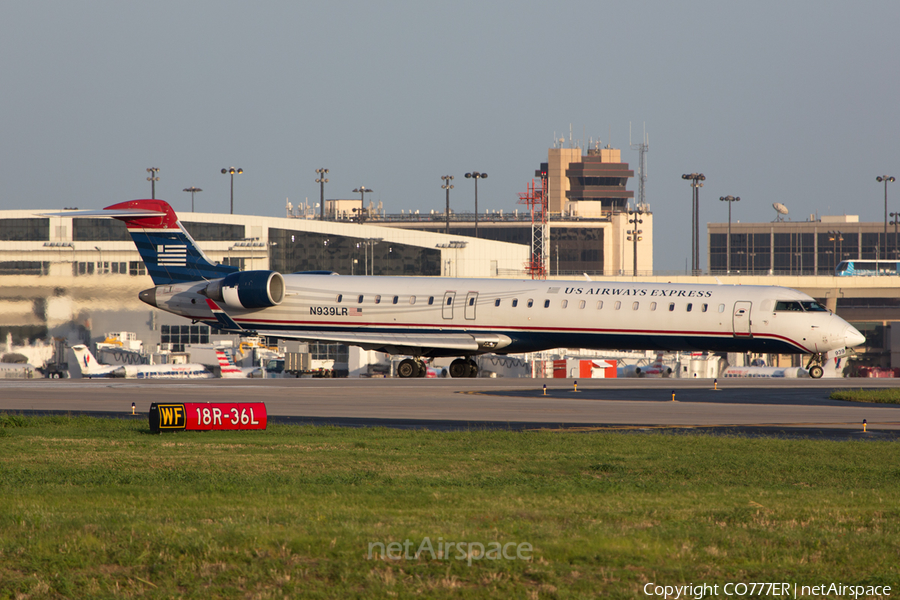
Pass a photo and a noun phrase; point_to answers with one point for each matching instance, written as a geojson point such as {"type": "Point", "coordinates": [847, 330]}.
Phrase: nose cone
{"type": "Point", "coordinates": [852, 337]}
{"type": "Point", "coordinates": [149, 297]}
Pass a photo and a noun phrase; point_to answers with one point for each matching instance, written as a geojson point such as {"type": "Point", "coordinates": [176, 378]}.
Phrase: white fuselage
{"type": "Point", "coordinates": [532, 315]}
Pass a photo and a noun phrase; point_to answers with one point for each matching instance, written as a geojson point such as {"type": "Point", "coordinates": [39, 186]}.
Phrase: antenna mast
{"type": "Point", "coordinates": [642, 149]}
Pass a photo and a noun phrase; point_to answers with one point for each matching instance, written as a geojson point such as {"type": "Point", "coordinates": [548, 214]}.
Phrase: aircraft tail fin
{"type": "Point", "coordinates": [169, 252]}
{"type": "Point", "coordinates": [227, 366]}
{"type": "Point", "coordinates": [86, 360]}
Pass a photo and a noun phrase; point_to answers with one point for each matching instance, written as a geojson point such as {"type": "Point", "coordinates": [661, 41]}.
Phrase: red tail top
{"type": "Point", "coordinates": [167, 221]}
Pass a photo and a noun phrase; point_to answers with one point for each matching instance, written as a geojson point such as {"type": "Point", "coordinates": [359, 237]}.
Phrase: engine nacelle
{"type": "Point", "coordinates": [248, 289]}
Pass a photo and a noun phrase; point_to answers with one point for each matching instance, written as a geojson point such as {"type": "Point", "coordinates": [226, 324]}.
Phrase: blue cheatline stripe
{"type": "Point", "coordinates": [172, 257]}
{"type": "Point", "coordinates": [531, 341]}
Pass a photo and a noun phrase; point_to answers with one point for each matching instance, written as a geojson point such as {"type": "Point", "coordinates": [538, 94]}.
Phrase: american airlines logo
{"type": "Point", "coordinates": [174, 255]}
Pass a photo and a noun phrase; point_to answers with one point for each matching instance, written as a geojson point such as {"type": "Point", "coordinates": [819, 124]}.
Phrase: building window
{"type": "Point", "coordinates": [181, 335]}
{"type": "Point", "coordinates": [137, 268]}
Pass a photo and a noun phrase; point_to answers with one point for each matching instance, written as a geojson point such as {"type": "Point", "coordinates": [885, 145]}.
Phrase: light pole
{"type": "Point", "coordinates": [362, 191]}
{"type": "Point", "coordinates": [476, 176]}
{"type": "Point", "coordinates": [192, 190]}
{"type": "Point", "coordinates": [322, 181]}
{"type": "Point", "coordinates": [634, 234]}
{"type": "Point", "coordinates": [231, 171]}
{"type": "Point", "coordinates": [885, 179]}
{"type": "Point", "coordinates": [695, 179]}
{"type": "Point", "coordinates": [834, 237]}
{"type": "Point", "coordinates": [153, 179]}
{"type": "Point", "coordinates": [447, 186]}
{"type": "Point", "coordinates": [729, 199]}
{"type": "Point", "coordinates": [895, 223]}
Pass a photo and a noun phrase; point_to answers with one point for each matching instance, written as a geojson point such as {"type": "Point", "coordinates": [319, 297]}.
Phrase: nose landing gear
{"type": "Point", "coordinates": [814, 366]}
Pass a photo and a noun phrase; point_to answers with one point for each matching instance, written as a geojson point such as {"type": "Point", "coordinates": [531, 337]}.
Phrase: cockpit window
{"type": "Point", "coordinates": [813, 307]}
{"type": "Point", "coordinates": [788, 305]}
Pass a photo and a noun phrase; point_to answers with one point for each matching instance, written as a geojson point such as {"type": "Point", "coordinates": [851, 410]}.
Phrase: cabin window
{"type": "Point", "coordinates": [412, 299]}
{"type": "Point", "coordinates": [582, 304]}
{"type": "Point", "coordinates": [618, 304]}
{"type": "Point", "coordinates": [497, 302]}
{"type": "Point", "coordinates": [721, 308]}
{"type": "Point", "coordinates": [530, 303]}
{"type": "Point", "coordinates": [599, 304]}
{"type": "Point", "coordinates": [546, 304]}
{"type": "Point", "coordinates": [396, 299]}
{"type": "Point", "coordinates": [564, 303]}
{"type": "Point", "coordinates": [690, 306]}
{"type": "Point", "coordinates": [635, 306]}
{"type": "Point", "coordinates": [430, 300]}
{"type": "Point", "coordinates": [449, 300]}
{"type": "Point", "coordinates": [378, 299]}
{"type": "Point", "coordinates": [472, 301]}
{"type": "Point", "coordinates": [339, 297]}
{"type": "Point", "coordinates": [515, 302]}
{"type": "Point", "coordinates": [671, 306]}
{"type": "Point", "coordinates": [788, 305]}
{"type": "Point", "coordinates": [704, 307]}
{"type": "Point", "coordinates": [360, 299]}
{"type": "Point", "coordinates": [653, 306]}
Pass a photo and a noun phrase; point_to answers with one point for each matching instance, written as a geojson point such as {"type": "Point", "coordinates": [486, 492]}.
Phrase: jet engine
{"type": "Point", "coordinates": [248, 289]}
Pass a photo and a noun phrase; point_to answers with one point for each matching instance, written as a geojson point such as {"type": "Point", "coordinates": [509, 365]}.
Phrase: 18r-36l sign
{"type": "Point", "coordinates": [207, 416]}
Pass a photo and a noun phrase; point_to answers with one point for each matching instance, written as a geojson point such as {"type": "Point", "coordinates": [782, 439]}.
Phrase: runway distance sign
{"type": "Point", "coordinates": [207, 416]}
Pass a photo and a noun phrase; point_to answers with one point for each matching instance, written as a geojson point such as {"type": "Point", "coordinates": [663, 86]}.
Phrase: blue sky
{"type": "Point", "coordinates": [791, 102]}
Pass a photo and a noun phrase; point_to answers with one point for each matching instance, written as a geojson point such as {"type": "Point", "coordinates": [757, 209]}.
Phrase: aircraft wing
{"type": "Point", "coordinates": [401, 343]}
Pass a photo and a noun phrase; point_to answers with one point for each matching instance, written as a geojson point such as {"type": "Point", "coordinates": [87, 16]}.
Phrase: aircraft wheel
{"type": "Point", "coordinates": [459, 368]}
{"type": "Point", "coordinates": [816, 372]}
{"type": "Point", "coordinates": [407, 368]}
{"type": "Point", "coordinates": [473, 368]}
{"type": "Point", "coordinates": [421, 369]}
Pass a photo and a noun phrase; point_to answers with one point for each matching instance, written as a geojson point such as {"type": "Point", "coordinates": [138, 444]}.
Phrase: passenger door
{"type": "Point", "coordinates": [471, 302]}
{"type": "Point", "coordinates": [449, 298]}
{"type": "Point", "coordinates": [741, 319]}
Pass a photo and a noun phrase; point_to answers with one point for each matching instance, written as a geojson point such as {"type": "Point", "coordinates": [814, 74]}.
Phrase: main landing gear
{"type": "Point", "coordinates": [814, 366]}
{"type": "Point", "coordinates": [415, 367]}
{"type": "Point", "coordinates": [463, 367]}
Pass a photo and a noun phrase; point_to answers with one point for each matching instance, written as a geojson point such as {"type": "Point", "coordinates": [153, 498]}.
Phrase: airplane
{"type": "Point", "coordinates": [11, 370]}
{"type": "Point", "coordinates": [90, 368]}
{"type": "Point", "coordinates": [428, 317]}
{"type": "Point", "coordinates": [655, 369]}
{"type": "Point", "coordinates": [231, 371]}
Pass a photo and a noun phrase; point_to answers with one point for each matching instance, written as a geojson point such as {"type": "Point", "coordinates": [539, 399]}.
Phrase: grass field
{"type": "Point", "coordinates": [878, 396]}
{"type": "Point", "coordinates": [97, 508]}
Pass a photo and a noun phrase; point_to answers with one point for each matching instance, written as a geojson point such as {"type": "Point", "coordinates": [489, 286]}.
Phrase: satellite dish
{"type": "Point", "coordinates": [781, 209]}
